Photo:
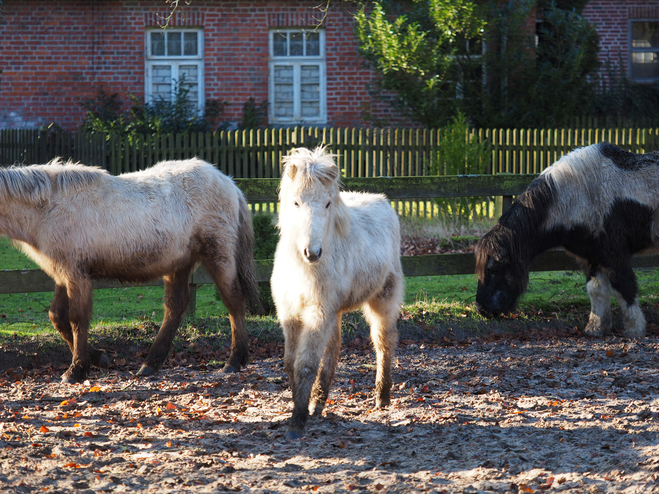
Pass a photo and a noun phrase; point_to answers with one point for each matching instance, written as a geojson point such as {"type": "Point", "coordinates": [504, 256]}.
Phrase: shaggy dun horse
{"type": "Point", "coordinates": [80, 223]}
{"type": "Point", "coordinates": [337, 251]}
{"type": "Point", "coordinates": [601, 204]}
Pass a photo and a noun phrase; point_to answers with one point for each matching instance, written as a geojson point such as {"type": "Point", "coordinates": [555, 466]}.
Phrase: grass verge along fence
{"type": "Point", "coordinates": [399, 188]}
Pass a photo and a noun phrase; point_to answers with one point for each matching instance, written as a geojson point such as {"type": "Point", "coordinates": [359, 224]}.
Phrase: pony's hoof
{"type": "Point", "coordinates": [293, 435]}
{"type": "Point", "coordinates": [230, 369]}
{"type": "Point", "coordinates": [73, 375]}
{"type": "Point", "coordinates": [598, 326]}
{"type": "Point", "coordinates": [146, 371]}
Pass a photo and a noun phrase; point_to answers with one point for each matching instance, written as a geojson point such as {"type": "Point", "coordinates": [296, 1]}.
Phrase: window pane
{"type": "Point", "coordinates": [283, 104]}
{"type": "Point", "coordinates": [279, 44]}
{"type": "Point", "coordinates": [645, 34]}
{"type": "Point", "coordinates": [297, 46]}
{"type": "Point", "coordinates": [157, 44]}
{"type": "Point", "coordinates": [189, 75]}
{"type": "Point", "coordinates": [161, 82]}
{"type": "Point", "coordinates": [645, 65]}
{"type": "Point", "coordinates": [313, 44]}
{"type": "Point", "coordinates": [310, 90]}
{"type": "Point", "coordinates": [190, 44]}
{"type": "Point", "coordinates": [173, 44]}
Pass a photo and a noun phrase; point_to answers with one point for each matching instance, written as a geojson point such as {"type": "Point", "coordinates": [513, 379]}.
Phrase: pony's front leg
{"type": "Point", "coordinates": [328, 364]}
{"type": "Point", "coordinates": [625, 289]}
{"type": "Point", "coordinates": [79, 294]}
{"type": "Point", "coordinates": [599, 291]}
{"type": "Point", "coordinates": [59, 316]}
{"type": "Point", "coordinates": [177, 296]}
{"type": "Point", "coordinates": [311, 345]}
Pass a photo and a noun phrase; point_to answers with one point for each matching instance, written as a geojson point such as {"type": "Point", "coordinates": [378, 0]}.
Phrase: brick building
{"type": "Point", "coordinates": [303, 61]}
{"type": "Point", "coordinates": [629, 33]}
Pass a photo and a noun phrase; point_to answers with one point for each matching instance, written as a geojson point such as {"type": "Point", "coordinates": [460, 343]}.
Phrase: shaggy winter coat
{"type": "Point", "coordinates": [80, 223]}
{"type": "Point", "coordinates": [601, 204]}
{"type": "Point", "coordinates": [337, 251]}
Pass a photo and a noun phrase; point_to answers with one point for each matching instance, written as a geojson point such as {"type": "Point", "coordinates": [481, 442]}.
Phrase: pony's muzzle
{"type": "Point", "coordinates": [313, 255]}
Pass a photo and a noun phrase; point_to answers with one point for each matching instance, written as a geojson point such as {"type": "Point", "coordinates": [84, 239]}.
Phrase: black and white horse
{"type": "Point", "coordinates": [601, 204]}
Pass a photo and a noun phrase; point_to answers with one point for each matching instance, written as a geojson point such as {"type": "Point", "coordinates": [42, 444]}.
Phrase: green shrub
{"type": "Point", "coordinates": [459, 153]}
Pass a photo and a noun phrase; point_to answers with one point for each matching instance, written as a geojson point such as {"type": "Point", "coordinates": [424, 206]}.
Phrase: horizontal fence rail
{"type": "Point", "coordinates": [35, 280]}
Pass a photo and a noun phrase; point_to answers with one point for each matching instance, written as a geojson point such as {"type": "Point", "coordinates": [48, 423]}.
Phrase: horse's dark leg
{"type": "Point", "coordinates": [599, 291]}
{"type": "Point", "coordinates": [623, 281]}
{"type": "Point", "coordinates": [311, 345]}
{"type": "Point", "coordinates": [79, 294]}
{"type": "Point", "coordinates": [228, 284]}
{"type": "Point", "coordinates": [381, 313]}
{"type": "Point", "coordinates": [177, 296]}
{"type": "Point", "coordinates": [325, 377]}
{"type": "Point", "coordinates": [59, 316]}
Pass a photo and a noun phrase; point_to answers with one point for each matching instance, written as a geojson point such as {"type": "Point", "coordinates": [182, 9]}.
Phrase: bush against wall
{"type": "Point", "coordinates": [104, 113]}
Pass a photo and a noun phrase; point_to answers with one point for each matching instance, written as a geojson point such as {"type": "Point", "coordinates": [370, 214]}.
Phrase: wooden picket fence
{"type": "Point", "coordinates": [361, 152]}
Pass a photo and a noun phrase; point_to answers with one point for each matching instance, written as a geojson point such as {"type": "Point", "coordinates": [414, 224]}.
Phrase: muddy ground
{"type": "Point", "coordinates": [537, 412]}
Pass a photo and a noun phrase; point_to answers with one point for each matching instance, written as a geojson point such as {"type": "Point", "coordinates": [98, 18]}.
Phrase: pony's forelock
{"type": "Point", "coordinates": [305, 167]}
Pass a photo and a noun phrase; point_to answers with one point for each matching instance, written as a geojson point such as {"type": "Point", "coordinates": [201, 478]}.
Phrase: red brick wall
{"type": "Point", "coordinates": [611, 19]}
{"type": "Point", "coordinates": [55, 53]}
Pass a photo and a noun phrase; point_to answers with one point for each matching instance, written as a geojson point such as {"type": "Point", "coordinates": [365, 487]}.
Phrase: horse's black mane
{"type": "Point", "coordinates": [627, 160]}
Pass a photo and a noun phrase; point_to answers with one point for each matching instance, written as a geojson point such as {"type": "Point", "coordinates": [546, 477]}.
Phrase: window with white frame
{"type": "Point", "coordinates": [175, 58]}
{"type": "Point", "coordinates": [297, 76]}
{"type": "Point", "coordinates": [644, 50]}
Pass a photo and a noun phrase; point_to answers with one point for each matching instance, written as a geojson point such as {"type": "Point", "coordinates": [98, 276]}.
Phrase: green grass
{"type": "Point", "coordinates": [448, 296]}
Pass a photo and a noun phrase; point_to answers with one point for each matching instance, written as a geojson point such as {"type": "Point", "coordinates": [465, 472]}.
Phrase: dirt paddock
{"type": "Point", "coordinates": [534, 415]}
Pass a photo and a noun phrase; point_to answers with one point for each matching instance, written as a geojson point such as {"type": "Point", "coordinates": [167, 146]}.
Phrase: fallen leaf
{"type": "Point", "coordinates": [43, 428]}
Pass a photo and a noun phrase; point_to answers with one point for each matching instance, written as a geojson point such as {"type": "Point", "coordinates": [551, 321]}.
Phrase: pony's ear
{"type": "Point", "coordinates": [290, 170]}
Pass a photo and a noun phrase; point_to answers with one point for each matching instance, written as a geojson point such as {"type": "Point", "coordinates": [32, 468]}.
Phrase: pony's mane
{"type": "Point", "coordinates": [37, 182]}
{"type": "Point", "coordinates": [311, 167]}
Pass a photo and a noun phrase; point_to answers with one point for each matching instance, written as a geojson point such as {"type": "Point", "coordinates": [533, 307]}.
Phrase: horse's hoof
{"type": "Point", "coordinates": [230, 369]}
{"type": "Point", "coordinates": [293, 435]}
{"type": "Point", "coordinates": [146, 371]}
{"type": "Point", "coordinates": [73, 376]}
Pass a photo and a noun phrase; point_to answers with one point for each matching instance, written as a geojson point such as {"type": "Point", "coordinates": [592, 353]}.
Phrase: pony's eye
{"type": "Point", "coordinates": [296, 204]}
{"type": "Point", "coordinates": [328, 204]}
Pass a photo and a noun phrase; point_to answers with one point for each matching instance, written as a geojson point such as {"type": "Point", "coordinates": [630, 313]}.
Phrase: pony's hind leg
{"type": "Point", "coordinates": [599, 291]}
{"type": "Point", "coordinates": [177, 296]}
{"type": "Point", "coordinates": [381, 313]}
{"type": "Point", "coordinates": [59, 316]}
{"type": "Point", "coordinates": [226, 279]}
{"type": "Point", "coordinates": [79, 295]}
{"type": "Point", "coordinates": [326, 372]}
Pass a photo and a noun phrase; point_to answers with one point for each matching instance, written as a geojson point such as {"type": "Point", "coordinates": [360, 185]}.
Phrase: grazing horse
{"type": "Point", "coordinates": [337, 251]}
{"type": "Point", "coordinates": [79, 223]}
{"type": "Point", "coordinates": [601, 204]}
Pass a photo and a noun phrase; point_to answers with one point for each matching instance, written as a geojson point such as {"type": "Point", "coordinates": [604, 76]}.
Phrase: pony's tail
{"type": "Point", "coordinates": [245, 266]}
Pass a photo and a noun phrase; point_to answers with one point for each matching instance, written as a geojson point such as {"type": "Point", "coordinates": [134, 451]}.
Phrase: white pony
{"type": "Point", "coordinates": [337, 251]}
{"type": "Point", "coordinates": [80, 223]}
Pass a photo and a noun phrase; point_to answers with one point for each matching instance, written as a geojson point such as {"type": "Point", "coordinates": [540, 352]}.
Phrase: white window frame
{"type": "Point", "coordinates": [640, 50]}
{"type": "Point", "coordinates": [175, 62]}
{"type": "Point", "coordinates": [296, 62]}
